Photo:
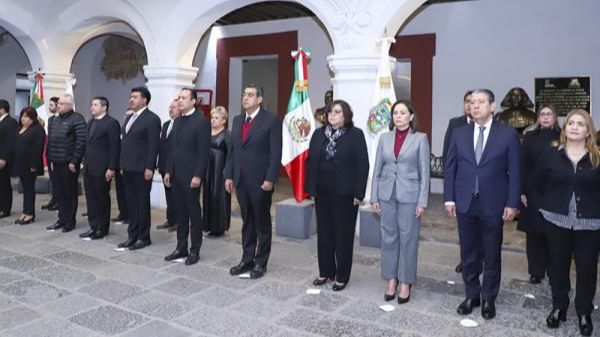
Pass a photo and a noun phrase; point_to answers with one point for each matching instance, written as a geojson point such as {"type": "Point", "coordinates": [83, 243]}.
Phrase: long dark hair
{"type": "Point", "coordinates": [346, 111]}
{"type": "Point", "coordinates": [31, 114]}
{"type": "Point", "coordinates": [414, 123]}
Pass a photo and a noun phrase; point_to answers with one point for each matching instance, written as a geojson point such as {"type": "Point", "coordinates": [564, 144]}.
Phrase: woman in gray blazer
{"type": "Point", "coordinates": [399, 193]}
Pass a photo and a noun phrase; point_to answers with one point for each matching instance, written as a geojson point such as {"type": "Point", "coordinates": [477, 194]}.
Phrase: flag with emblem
{"type": "Point", "coordinates": [298, 126]}
{"type": "Point", "coordinates": [37, 99]}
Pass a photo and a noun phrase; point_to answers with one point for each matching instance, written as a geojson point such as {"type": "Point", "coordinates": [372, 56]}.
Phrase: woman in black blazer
{"type": "Point", "coordinates": [29, 163]}
{"type": "Point", "coordinates": [541, 136]}
{"type": "Point", "coordinates": [337, 168]}
{"type": "Point", "coordinates": [570, 177]}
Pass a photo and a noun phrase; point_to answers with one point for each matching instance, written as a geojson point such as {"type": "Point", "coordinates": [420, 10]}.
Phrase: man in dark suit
{"type": "Point", "coordinates": [164, 153]}
{"type": "Point", "coordinates": [482, 190]}
{"type": "Point", "coordinates": [52, 205]}
{"type": "Point", "coordinates": [140, 138]}
{"type": "Point", "coordinates": [8, 132]}
{"type": "Point", "coordinates": [453, 124]}
{"type": "Point", "coordinates": [253, 163]}
{"type": "Point", "coordinates": [101, 161]}
{"type": "Point", "coordinates": [123, 217]}
{"type": "Point", "coordinates": [185, 168]}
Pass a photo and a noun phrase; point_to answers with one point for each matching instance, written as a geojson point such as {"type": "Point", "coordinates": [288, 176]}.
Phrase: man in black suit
{"type": "Point", "coordinates": [123, 217]}
{"type": "Point", "coordinates": [164, 153]}
{"type": "Point", "coordinates": [185, 168]}
{"type": "Point", "coordinates": [253, 163]}
{"type": "Point", "coordinates": [140, 138]}
{"type": "Point", "coordinates": [52, 205]}
{"type": "Point", "coordinates": [100, 164]}
{"type": "Point", "coordinates": [8, 132]}
{"type": "Point", "coordinates": [453, 124]}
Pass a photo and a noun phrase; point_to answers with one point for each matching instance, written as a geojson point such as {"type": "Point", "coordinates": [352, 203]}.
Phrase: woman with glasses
{"type": "Point", "coordinates": [535, 142]}
{"type": "Point", "coordinates": [337, 168]}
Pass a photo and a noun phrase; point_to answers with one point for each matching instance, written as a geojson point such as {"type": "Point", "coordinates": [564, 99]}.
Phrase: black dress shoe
{"type": "Point", "coordinates": [166, 225]}
{"type": "Point", "coordinates": [585, 325]}
{"type": "Point", "coordinates": [192, 259]}
{"type": "Point", "coordinates": [176, 254]}
{"type": "Point", "coordinates": [57, 225]}
{"type": "Point", "coordinates": [466, 307]}
{"type": "Point", "coordinates": [97, 235]}
{"type": "Point", "coordinates": [139, 244]}
{"type": "Point", "coordinates": [53, 207]}
{"type": "Point", "coordinates": [50, 203]}
{"type": "Point", "coordinates": [488, 310]}
{"type": "Point", "coordinates": [126, 244]}
{"type": "Point", "coordinates": [67, 229]}
{"type": "Point", "coordinates": [258, 272]}
{"type": "Point", "coordinates": [458, 268]}
{"type": "Point", "coordinates": [556, 316]}
{"type": "Point", "coordinates": [4, 214]}
{"type": "Point", "coordinates": [241, 268]}
{"type": "Point", "coordinates": [120, 220]}
{"type": "Point", "coordinates": [319, 281]}
{"type": "Point", "coordinates": [86, 234]}
{"type": "Point", "coordinates": [535, 279]}
{"type": "Point", "coordinates": [338, 286]}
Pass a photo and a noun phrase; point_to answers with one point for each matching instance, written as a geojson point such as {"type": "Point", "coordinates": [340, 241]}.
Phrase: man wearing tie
{"type": "Point", "coordinates": [253, 163]}
{"type": "Point", "coordinates": [482, 190]}
{"type": "Point", "coordinates": [164, 153]}
{"type": "Point", "coordinates": [8, 132]}
{"type": "Point", "coordinates": [185, 168]}
{"type": "Point", "coordinates": [140, 138]}
{"type": "Point", "coordinates": [100, 164]}
{"type": "Point", "coordinates": [52, 205]}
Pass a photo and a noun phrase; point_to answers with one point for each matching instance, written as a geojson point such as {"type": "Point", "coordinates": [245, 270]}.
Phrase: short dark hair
{"type": "Point", "coordinates": [54, 99]}
{"type": "Point", "coordinates": [193, 93]}
{"type": "Point", "coordinates": [414, 123]}
{"type": "Point", "coordinates": [144, 92]}
{"type": "Point", "coordinates": [467, 94]}
{"type": "Point", "coordinates": [103, 101]}
{"type": "Point", "coordinates": [346, 111]}
{"type": "Point", "coordinates": [31, 113]}
{"type": "Point", "coordinates": [260, 92]}
{"type": "Point", "coordinates": [4, 105]}
{"type": "Point", "coordinates": [488, 92]}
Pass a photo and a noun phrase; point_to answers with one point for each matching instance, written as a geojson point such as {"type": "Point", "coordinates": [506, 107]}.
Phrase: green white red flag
{"type": "Point", "coordinates": [37, 99]}
{"type": "Point", "coordinates": [298, 126]}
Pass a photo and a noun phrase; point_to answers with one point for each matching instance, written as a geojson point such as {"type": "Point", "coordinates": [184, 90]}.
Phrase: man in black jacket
{"type": "Point", "coordinates": [164, 153]}
{"type": "Point", "coordinates": [253, 163]}
{"type": "Point", "coordinates": [100, 164]}
{"type": "Point", "coordinates": [52, 205]}
{"type": "Point", "coordinates": [66, 147]}
{"type": "Point", "coordinates": [8, 132]}
{"type": "Point", "coordinates": [185, 168]}
{"type": "Point", "coordinates": [140, 138]}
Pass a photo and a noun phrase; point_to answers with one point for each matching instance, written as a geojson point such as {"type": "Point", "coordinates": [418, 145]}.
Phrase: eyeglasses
{"type": "Point", "coordinates": [334, 112]}
{"type": "Point", "coordinates": [546, 114]}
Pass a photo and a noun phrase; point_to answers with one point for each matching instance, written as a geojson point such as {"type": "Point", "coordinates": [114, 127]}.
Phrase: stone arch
{"type": "Point", "coordinates": [398, 17]}
{"type": "Point", "coordinates": [19, 23]}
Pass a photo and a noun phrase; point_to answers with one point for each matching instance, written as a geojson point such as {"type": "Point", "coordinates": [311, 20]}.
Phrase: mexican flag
{"type": "Point", "coordinates": [37, 99]}
{"type": "Point", "coordinates": [298, 126]}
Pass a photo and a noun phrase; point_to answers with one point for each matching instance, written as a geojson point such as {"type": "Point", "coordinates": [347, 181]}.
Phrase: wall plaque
{"type": "Point", "coordinates": [565, 93]}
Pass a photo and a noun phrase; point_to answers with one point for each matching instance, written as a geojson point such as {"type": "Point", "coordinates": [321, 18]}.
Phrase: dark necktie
{"type": "Point", "coordinates": [92, 128]}
{"type": "Point", "coordinates": [478, 153]}
{"type": "Point", "coordinates": [248, 120]}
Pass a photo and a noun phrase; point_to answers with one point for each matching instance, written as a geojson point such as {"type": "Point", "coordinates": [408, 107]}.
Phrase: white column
{"type": "Point", "coordinates": [164, 83]}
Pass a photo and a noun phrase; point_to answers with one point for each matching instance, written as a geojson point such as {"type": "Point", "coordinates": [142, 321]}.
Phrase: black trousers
{"type": "Point", "coordinates": [28, 184]}
{"type": "Point", "coordinates": [584, 246]}
{"type": "Point", "coordinates": [53, 198]}
{"type": "Point", "coordinates": [189, 215]}
{"type": "Point", "coordinates": [97, 197]}
{"type": "Point", "coordinates": [257, 229]}
{"type": "Point", "coordinates": [65, 185]}
{"type": "Point", "coordinates": [537, 254]}
{"type": "Point", "coordinates": [336, 225]}
{"type": "Point", "coordinates": [6, 191]}
{"type": "Point", "coordinates": [171, 219]}
{"type": "Point", "coordinates": [137, 194]}
{"type": "Point", "coordinates": [121, 199]}
{"type": "Point", "coordinates": [480, 240]}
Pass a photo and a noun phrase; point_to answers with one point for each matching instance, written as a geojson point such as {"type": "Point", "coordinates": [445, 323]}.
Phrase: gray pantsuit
{"type": "Point", "coordinates": [400, 185]}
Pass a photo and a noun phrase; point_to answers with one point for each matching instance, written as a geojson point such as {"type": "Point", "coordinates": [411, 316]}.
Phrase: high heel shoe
{"type": "Point", "coordinates": [388, 297]}
{"type": "Point", "coordinates": [585, 325]}
{"type": "Point", "coordinates": [27, 222]}
{"type": "Point", "coordinates": [338, 286]}
{"type": "Point", "coordinates": [403, 300]}
{"type": "Point", "coordinates": [556, 316]}
{"type": "Point", "coordinates": [319, 281]}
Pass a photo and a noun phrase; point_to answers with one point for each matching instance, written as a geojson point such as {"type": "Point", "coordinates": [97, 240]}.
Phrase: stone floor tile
{"type": "Point", "coordinates": [158, 305]}
{"type": "Point", "coordinates": [157, 329]}
{"type": "Point", "coordinates": [364, 311]}
{"type": "Point", "coordinates": [112, 291]}
{"type": "Point", "coordinates": [417, 322]}
{"type": "Point", "coordinates": [141, 259]}
{"type": "Point", "coordinates": [261, 307]}
{"type": "Point", "coordinates": [76, 259]}
{"type": "Point", "coordinates": [32, 292]}
{"type": "Point", "coordinates": [23, 263]}
{"type": "Point", "coordinates": [51, 328]}
{"type": "Point", "coordinates": [108, 320]}
{"type": "Point", "coordinates": [63, 276]}
{"type": "Point", "coordinates": [70, 305]}
{"type": "Point", "coordinates": [325, 301]}
{"type": "Point", "coordinates": [218, 297]}
{"type": "Point", "coordinates": [138, 275]}
{"type": "Point", "coordinates": [182, 287]}
{"type": "Point", "coordinates": [276, 290]}
{"type": "Point", "coordinates": [9, 277]}
{"type": "Point", "coordinates": [16, 316]}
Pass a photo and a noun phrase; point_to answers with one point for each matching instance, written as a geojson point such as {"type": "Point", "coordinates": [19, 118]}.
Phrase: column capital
{"type": "Point", "coordinates": [170, 75]}
{"type": "Point", "coordinates": [355, 68]}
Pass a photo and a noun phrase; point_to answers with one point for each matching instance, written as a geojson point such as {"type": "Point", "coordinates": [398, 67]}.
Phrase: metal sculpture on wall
{"type": "Point", "coordinates": [517, 110]}
{"type": "Point", "coordinates": [123, 58]}
{"type": "Point", "coordinates": [321, 114]}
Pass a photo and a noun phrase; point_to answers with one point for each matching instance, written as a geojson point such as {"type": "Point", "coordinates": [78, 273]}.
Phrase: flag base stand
{"type": "Point", "coordinates": [295, 220]}
{"type": "Point", "coordinates": [370, 228]}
